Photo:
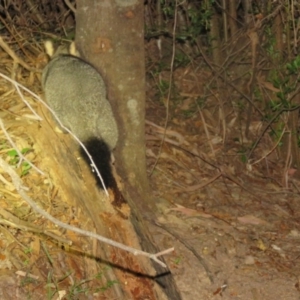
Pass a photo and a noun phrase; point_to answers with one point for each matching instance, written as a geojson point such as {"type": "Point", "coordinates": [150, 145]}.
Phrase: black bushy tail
{"type": "Point", "coordinates": [101, 155]}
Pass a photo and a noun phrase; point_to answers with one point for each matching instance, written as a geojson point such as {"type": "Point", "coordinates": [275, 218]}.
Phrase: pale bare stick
{"type": "Point", "coordinates": [165, 132]}
{"type": "Point", "coordinates": [169, 89]}
{"type": "Point", "coordinates": [70, 5]}
{"type": "Point", "coordinates": [206, 131]}
{"type": "Point", "coordinates": [17, 182]}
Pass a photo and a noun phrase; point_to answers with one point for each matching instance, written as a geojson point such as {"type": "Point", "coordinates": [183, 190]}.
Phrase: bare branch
{"type": "Point", "coordinates": [70, 5]}
{"type": "Point", "coordinates": [21, 189]}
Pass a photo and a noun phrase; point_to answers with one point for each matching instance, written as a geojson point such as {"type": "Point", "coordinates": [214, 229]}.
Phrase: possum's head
{"type": "Point", "coordinates": [60, 50]}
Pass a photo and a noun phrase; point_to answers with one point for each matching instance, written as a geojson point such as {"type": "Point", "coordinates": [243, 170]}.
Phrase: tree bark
{"type": "Point", "coordinates": [110, 35]}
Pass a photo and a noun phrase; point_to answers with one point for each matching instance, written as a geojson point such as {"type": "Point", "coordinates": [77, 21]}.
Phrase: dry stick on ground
{"type": "Point", "coordinates": [12, 221]}
{"type": "Point", "coordinates": [33, 8]}
{"type": "Point", "coordinates": [165, 132]}
{"type": "Point", "coordinates": [267, 126]}
{"type": "Point", "coordinates": [288, 162]}
{"type": "Point", "coordinates": [206, 131]}
{"type": "Point", "coordinates": [271, 150]}
{"type": "Point", "coordinates": [220, 169]}
{"type": "Point", "coordinates": [17, 182]}
{"type": "Point", "coordinates": [188, 246]}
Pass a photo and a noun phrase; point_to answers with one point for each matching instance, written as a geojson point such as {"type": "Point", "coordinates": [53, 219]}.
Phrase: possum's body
{"type": "Point", "coordinates": [77, 94]}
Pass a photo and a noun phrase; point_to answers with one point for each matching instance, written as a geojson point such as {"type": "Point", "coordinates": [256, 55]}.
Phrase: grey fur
{"type": "Point", "coordinates": [77, 94]}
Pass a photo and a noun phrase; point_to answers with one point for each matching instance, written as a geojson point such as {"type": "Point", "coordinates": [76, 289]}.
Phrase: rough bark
{"type": "Point", "coordinates": [109, 34]}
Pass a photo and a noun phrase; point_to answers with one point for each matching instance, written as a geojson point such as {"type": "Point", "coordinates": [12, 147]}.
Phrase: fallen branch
{"type": "Point", "coordinates": [21, 189]}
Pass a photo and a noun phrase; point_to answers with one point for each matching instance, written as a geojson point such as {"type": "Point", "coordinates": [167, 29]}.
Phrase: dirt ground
{"type": "Point", "coordinates": [235, 226]}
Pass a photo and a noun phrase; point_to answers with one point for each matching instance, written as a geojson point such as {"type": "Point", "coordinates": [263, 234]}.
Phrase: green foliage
{"type": "Point", "coordinates": [27, 250]}
{"type": "Point", "coordinates": [177, 260]}
{"type": "Point", "coordinates": [196, 16]}
{"type": "Point", "coordinates": [163, 87]}
{"type": "Point", "coordinates": [78, 288]}
{"type": "Point", "coordinates": [25, 166]}
{"type": "Point", "coordinates": [294, 66]}
{"type": "Point", "coordinates": [109, 284]}
{"type": "Point", "coordinates": [257, 94]}
{"type": "Point", "coordinates": [27, 280]}
{"type": "Point", "coordinates": [270, 43]}
{"type": "Point", "coordinates": [287, 82]}
{"type": "Point", "coordinates": [277, 131]}
{"type": "Point", "coordinates": [198, 20]}
{"type": "Point", "coordinates": [181, 59]}
{"type": "Point", "coordinates": [188, 113]}
{"type": "Point", "coordinates": [243, 155]}
{"type": "Point", "coordinates": [201, 101]}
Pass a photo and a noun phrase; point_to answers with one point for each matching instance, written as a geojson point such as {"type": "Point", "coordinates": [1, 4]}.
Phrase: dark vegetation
{"type": "Point", "coordinates": [246, 49]}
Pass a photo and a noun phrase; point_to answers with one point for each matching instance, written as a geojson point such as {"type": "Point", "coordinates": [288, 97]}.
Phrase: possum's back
{"type": "Point", "coordinates": [77, 93]}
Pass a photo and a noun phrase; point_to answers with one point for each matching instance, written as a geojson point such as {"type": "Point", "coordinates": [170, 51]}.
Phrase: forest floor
{"type": "Point", "coordinates": [235, 226]}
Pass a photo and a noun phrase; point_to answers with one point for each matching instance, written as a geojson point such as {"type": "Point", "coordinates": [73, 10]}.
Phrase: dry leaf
{"type": "Point", "coordinates": [190, 212]}
{"type": "Point", "coordinates": [249, 219]}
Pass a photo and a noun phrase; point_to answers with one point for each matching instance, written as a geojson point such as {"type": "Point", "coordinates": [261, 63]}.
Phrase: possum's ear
{"type": "Point", "coordinates": [73, 51]}
{"type": "Point", "coordinates": [49, 47]}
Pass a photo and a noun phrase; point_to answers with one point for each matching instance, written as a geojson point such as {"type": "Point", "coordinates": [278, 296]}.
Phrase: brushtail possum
{"type": "Point", "coordinates": [77, 94]}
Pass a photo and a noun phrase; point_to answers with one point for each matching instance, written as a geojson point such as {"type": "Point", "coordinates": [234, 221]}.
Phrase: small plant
{"type": "Point", "coordinates": [109, 283]}
{"type": "Point", "coordinates": [27, 280]}
{"type": "Point", "coordinates": [27, 250]}
{"type": "Point", "coordinates": [177, 260]}
{"type": "Point", "coordinates": [15, 159]}
{"type": "Point", "coordinates": [287, 82]}
{"type": "Point", "coordinates": [26, 262]}
{"type": "Point", "coordinates": [243, 155]}
{"type": "Point", "coordinates": [77, 288]}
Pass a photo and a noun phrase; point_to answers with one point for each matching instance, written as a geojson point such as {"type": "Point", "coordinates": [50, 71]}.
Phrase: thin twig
{"type": "Point", "coordinates": [70, 5]}
{"type": "Point", "coordinates": [13, 55]}
{"type": "Point", "coordinates": [170, 86]}
{"type": "Point", "coordinates": [272, 149]}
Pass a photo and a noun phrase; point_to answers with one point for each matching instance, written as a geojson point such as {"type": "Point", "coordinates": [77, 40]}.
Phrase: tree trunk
{"type": "Point", "coordinates": [215, 37]}
{"type": "Point", "coordinates": [232, 18]}
{"type": "Point", "coordinates": [110, 35]}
